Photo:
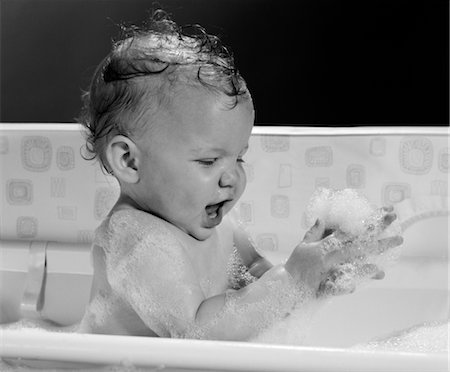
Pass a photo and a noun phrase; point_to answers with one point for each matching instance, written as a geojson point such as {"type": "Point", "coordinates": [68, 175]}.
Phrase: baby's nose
{"type": "Point", "coordinates": [228, 178]}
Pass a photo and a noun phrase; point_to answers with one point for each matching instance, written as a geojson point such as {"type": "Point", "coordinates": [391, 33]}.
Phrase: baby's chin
{"type": "Point", "coordinates": [200, 233]}
{"type": "Point", "coordinates": [197, 231]}
{"type": "Point", "coordinates": [204, 226]}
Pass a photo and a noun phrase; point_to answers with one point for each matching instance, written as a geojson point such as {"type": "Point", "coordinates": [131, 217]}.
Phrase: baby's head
{"type": "Point", "coordinates": [170, 116]}
{"type": "Point", "coordinates": [143, 73]}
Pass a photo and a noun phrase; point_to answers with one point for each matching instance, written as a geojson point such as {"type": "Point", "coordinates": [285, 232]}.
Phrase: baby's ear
{"type": "Point", "coordinates": [123, 158]}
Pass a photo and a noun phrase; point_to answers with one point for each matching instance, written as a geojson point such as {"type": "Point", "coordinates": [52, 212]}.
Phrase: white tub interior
{"type": "Point", "coordinates": [52, 200]}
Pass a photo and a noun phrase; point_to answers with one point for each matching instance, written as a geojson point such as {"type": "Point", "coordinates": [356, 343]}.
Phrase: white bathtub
{"type": "Point", "coordinates": [52, 200]}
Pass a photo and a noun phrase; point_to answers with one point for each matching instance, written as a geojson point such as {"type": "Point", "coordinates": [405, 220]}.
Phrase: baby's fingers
{"type": "Point", "coordinates": [370, 271]}
{"type": "Point", "coordinates": [388, 218]}
{"type": "Point", "coordinates": [380, 221]}
{"type": "Point", "coordinates": [339, 281]}
{"type": "Point", "coordinates": [329, 288]}
{"type": "Point", "coordinates": [385, 244]}
{"type": "Point", "coordinates": [315, 233]}
{"type": "Point", "coordinates": [344, 278]}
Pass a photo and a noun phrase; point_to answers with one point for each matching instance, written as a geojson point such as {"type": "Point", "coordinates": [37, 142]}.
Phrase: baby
{"type": "Point", "coordinates": [169, 116]}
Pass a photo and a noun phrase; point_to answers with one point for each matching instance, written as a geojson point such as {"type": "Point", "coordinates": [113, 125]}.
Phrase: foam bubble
{"type": "Point", "coordinates": [430, 337]}
{"type": "Point", "coordinates": [294, 329]}
{"type": "Point", "coordinates": [345, 210]}
{"type": "Point", "coordinates": [37, 325]}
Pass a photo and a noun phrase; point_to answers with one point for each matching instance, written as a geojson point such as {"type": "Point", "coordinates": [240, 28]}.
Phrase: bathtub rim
{"type": "Point", "coordinates": [196, 354]}
{"type": "Point", "coordinates": [269, 130]}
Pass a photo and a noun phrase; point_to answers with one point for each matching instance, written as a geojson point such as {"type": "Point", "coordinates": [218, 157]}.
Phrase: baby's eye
{"type": "Point", "coordinates": [207, 162]}
{"type": "Point", "coordinates": [240, 160]}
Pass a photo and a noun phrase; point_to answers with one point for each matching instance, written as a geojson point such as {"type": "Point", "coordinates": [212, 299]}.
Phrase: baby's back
{"type": "Point", "coordinates": [107, 312]}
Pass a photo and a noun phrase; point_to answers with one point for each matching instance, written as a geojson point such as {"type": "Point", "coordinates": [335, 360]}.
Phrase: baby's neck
{"type": "Point", "coordinates": [124, 202]}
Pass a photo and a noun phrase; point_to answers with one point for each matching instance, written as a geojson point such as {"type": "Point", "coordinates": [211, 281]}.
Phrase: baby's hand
{"type": "Point", "coordinates": [314, 257]}
{"type": "Point", "coordinates": [374, 241]}
{"type": "Point", "coordinates": [331, 262]}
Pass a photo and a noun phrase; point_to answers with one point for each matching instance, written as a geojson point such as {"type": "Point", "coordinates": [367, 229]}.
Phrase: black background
{"type": "Point", "coordinates": [307, 62]}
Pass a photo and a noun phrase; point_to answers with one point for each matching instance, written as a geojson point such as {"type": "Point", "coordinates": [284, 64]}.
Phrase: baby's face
{"type": "Point", "coordinates": [191, 174]}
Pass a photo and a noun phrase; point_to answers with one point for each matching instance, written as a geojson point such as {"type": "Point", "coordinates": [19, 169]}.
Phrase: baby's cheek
{"type": "Point", "coordinates": [185, 204]}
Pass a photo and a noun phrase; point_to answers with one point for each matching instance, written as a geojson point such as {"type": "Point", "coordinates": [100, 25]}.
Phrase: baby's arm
{"type": "Point", "coordinates": [241, 314]}
{"type": "Point", "coordinates": [310, 271]}
{"type": "Point", "coordinates": [170, 301]}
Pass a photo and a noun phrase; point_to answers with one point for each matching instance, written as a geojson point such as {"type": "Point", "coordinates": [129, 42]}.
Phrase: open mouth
{"type": "Point", "coordinates": [213, 210]}
{"type": "Point", "coordinates": [214, 213]}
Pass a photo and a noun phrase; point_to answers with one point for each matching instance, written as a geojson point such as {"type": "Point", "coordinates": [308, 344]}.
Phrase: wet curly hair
{"type": "Point", "coordinates": [140, 74]}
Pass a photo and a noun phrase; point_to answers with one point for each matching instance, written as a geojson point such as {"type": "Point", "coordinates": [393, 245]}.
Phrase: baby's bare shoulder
{"type": "Point", "coordinates": [146, 249]}
{"type": "Point", "coordinates": [133, 229]}
{"type": "Point", "coordinates": [137, 221]}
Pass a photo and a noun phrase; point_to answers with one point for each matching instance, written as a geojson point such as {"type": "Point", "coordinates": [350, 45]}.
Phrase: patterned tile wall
{"type": "Point", "coordinates": [49, 192]}
{"type": "Point", "coordinates": [408, 171]}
